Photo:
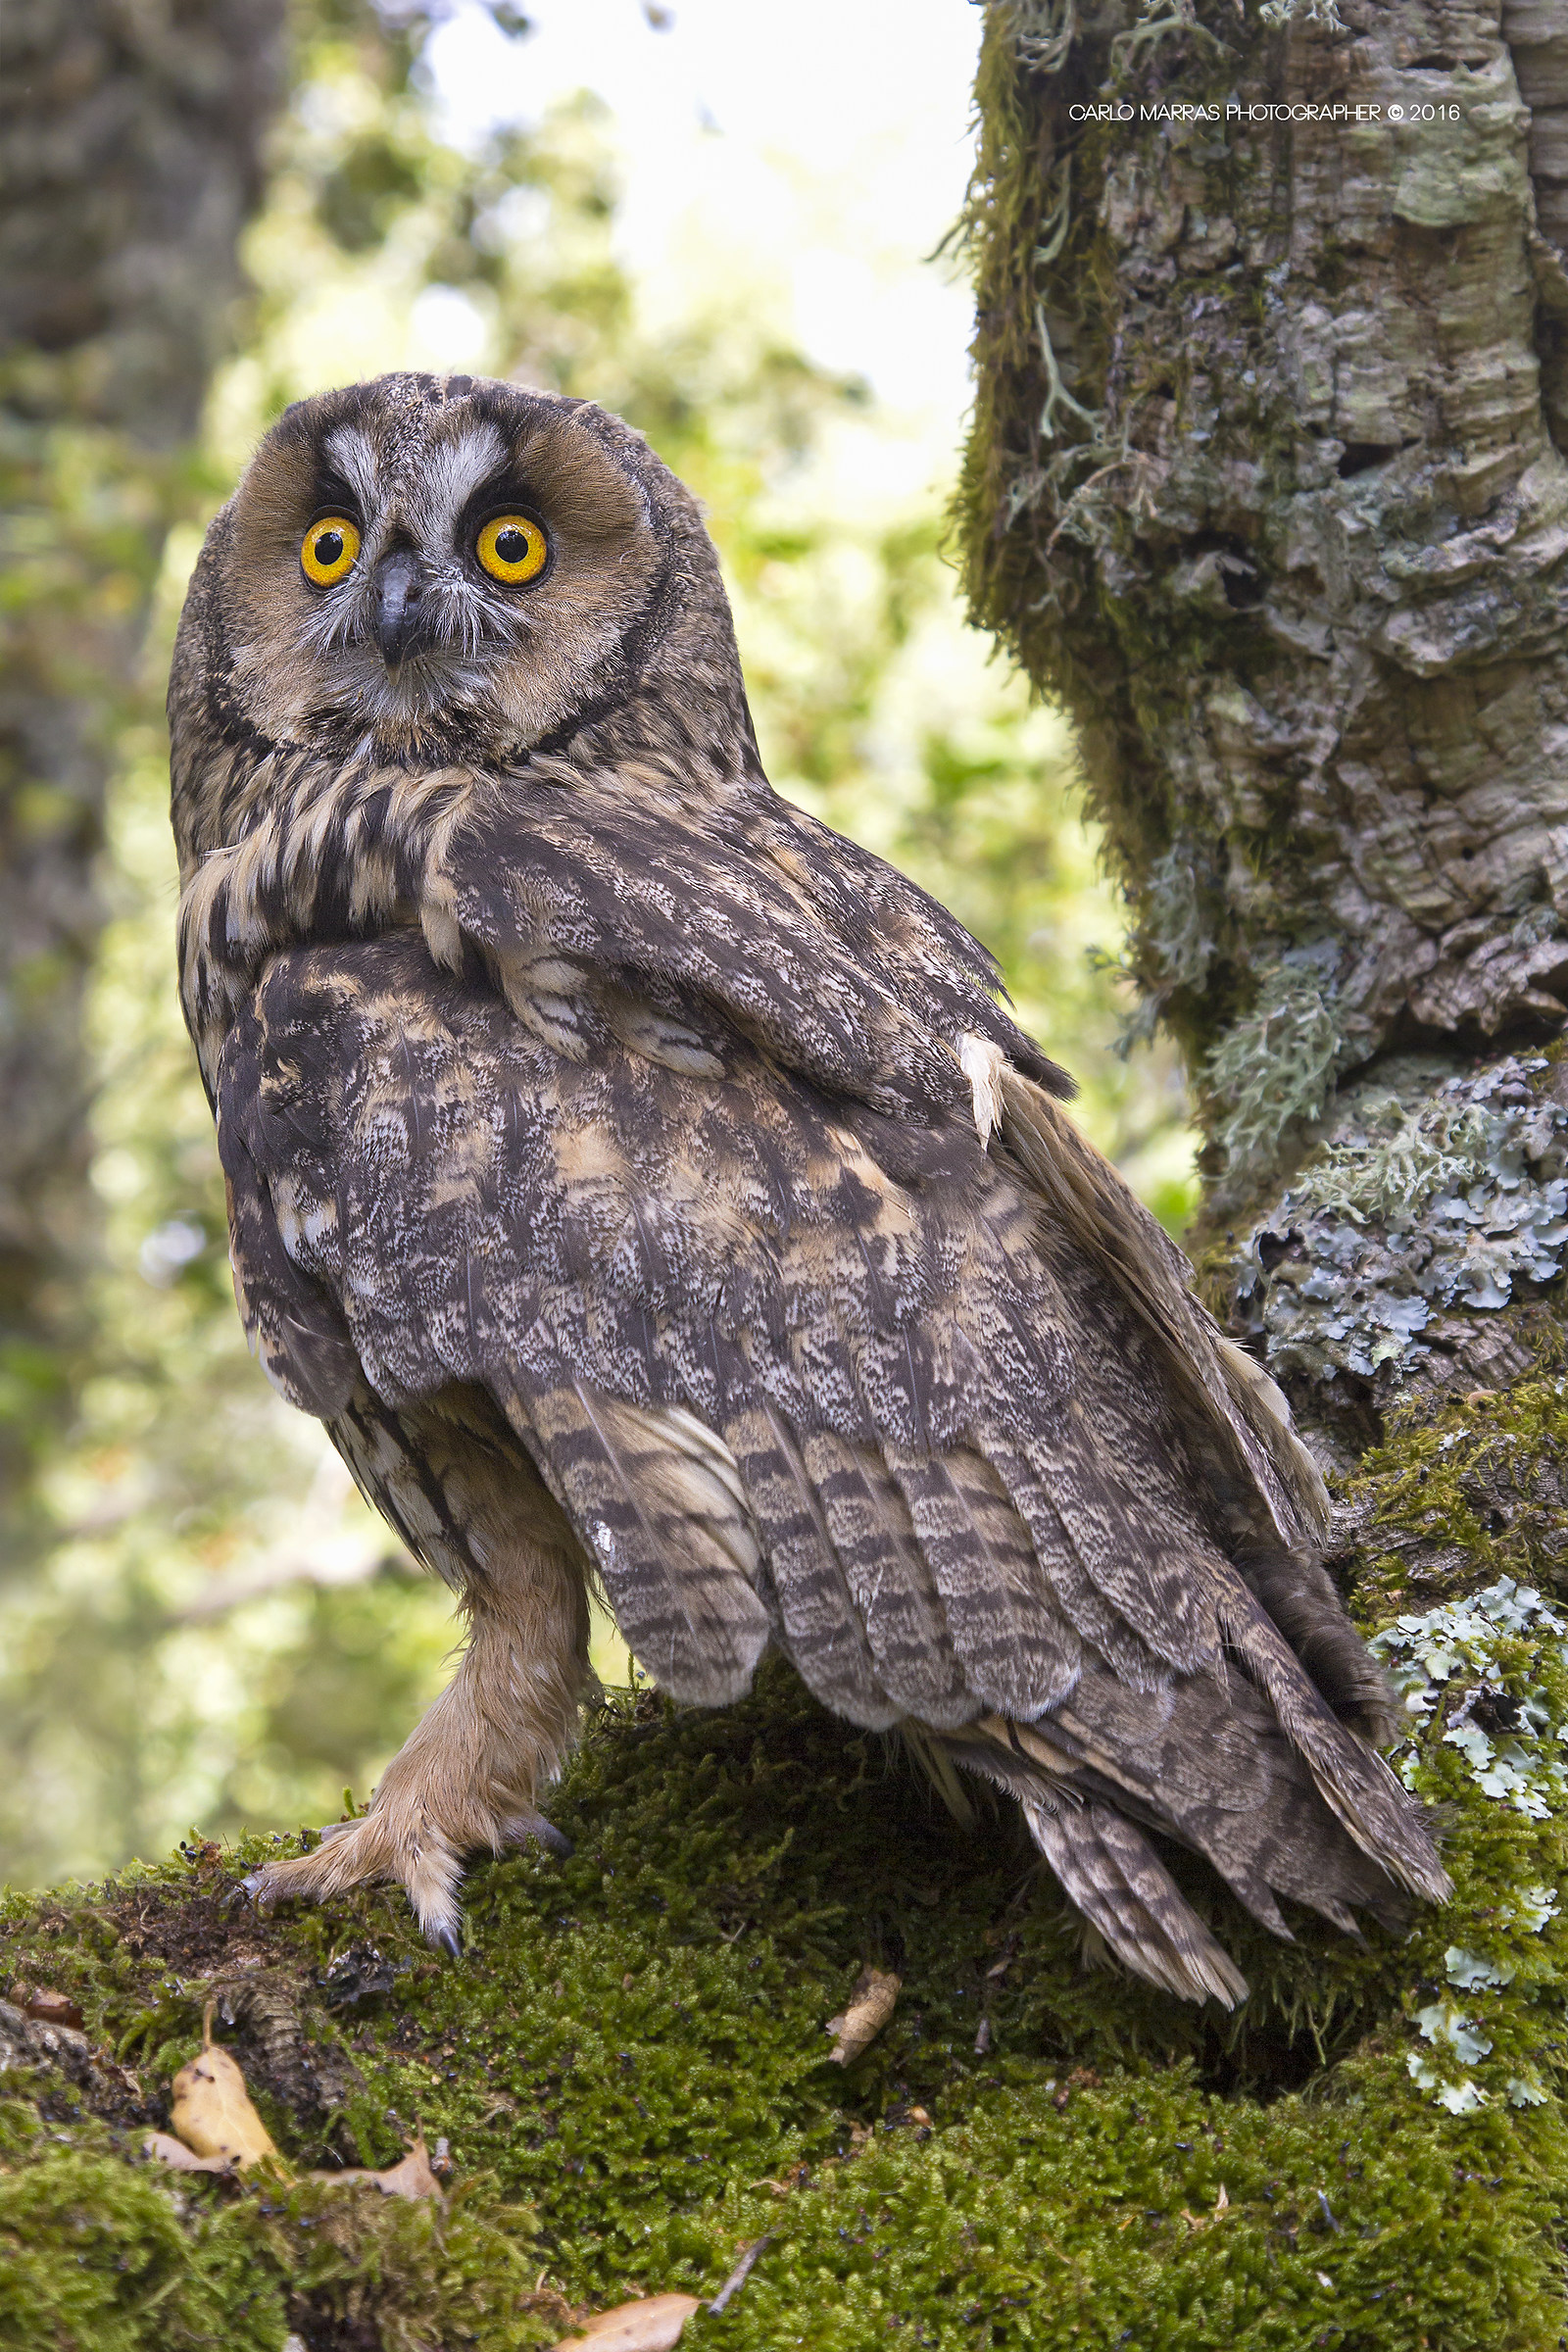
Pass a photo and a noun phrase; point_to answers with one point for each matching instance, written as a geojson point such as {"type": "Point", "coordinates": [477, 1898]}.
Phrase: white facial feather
{"type": "Point", "coordinates": [353, 455]}
{"type": "Point", "coordinates": [447, 476]}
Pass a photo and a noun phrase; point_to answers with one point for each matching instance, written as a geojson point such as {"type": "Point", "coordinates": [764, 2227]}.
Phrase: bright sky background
{"type": "Point", "coordinates": [821, 149]}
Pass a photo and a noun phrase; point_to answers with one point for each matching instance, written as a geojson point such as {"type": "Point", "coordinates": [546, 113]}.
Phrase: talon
{"type": "Point", "coordinates": [447, 1939]}
{"type": "Point", "coordinates": [524, 1827]}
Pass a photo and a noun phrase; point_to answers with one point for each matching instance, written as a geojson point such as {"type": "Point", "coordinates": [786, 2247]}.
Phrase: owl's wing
{"type": "Point", "coordinates": [746, 913]}
{"type": "Point", "coordinates": [711, 898]}
{"type": "Point", "coordinates": [793, 1366]}
{"type": "Point", "coordinates": [685, 916]}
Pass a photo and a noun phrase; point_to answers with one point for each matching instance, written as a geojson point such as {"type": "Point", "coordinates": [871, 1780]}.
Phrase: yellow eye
{"type": "Point", "coordinates": [328, 550]}
{"type": "Point", "coordinates": [512, 548]}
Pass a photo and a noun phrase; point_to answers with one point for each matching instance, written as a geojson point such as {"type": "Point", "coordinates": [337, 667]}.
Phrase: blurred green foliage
{"type": "Point", "coordinates": [221, 1633]}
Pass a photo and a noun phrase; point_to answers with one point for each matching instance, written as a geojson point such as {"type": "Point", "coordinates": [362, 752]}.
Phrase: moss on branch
{"type": "Point", "coordinates": [628, 2066]}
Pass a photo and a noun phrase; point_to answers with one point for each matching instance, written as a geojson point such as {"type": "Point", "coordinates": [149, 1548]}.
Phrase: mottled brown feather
{"type": "Point", "coordinates": [646, 1184]}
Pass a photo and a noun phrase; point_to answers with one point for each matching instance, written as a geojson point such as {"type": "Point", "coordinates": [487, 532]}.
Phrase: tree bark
{"type": "Point", "coordinates": [129, 146]}
{"type": "Point", "coordinates": [1268, 483]}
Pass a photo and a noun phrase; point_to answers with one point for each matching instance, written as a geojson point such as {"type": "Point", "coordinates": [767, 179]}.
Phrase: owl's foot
{"type": "Point", "coordinates": [463, 1782]}
{"type": "Point", "coordinates": [390, 1842]}
{"type": "Point", "coordinates": [403, 1845]}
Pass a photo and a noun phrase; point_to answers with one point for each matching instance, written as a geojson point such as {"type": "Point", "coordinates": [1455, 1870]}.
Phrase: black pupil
{"type": "Point", "coordinates": [512, 545]}
{"type": "Point", "coordinates": [328, 548]}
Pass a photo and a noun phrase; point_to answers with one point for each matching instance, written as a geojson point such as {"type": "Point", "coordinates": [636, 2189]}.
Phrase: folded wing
{"type": "Point", "coordinates": [943, 1421]}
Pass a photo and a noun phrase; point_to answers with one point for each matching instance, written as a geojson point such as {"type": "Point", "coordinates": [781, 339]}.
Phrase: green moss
{"type": "Point", "coordinates": [1105, 2225]}
{"type": "Point", "coordinates": [630, 2067]}
{"type": "Point", "coordinates": [103, 2251]}
{"type": "Point", "coordinates": [1463, 1492]}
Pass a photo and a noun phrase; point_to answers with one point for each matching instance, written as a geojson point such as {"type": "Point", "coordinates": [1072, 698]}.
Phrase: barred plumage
{"type": "Point", "coordinates": [646, 1185]}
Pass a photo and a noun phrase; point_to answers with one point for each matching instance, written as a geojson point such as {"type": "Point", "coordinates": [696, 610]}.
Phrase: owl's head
{"type": "Point", "coordinates": [439, 568]}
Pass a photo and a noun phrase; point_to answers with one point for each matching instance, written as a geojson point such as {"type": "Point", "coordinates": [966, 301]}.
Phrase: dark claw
{"type": "Point", "coordinates": [252, 1890]}
{"type": "Point", "coordinates": [524, 1827]}
{"type": "Point", "coordinates": [447, 1939]}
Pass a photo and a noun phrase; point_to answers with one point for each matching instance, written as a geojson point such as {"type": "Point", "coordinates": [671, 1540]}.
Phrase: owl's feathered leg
{"type": "Point", "coordinates": [466, 1778]}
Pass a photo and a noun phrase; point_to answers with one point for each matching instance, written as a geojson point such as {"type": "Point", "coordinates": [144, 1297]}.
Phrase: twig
{"type": "Point", "coordinates": [741, 2273]}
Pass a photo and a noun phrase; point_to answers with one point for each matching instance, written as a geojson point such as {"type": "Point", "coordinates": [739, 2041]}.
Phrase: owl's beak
{"type": "Point", "coordinates": [399, 620]}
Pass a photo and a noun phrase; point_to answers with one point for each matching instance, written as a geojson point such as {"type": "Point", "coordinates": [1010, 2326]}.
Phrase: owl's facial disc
{"type": "Point", "coordinates": [431, 574]}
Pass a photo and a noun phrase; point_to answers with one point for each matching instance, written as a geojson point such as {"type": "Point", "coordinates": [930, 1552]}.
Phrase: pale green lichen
{"type": "Point", "coordinates": [1458, 1643]}
{"type": "Point", "coordinates": [1483, 1678]}
{"type": "Point", "coordinates": [1178, 914]}
{"type": "Point", "coordinates": [1405, 1216]}
{"type": "Point", "coordinates": [1304, 12]}
{"type": "Point", "coordinates": [1275, 1066]}
{"type": "Point", "coordinates": [1471, 1141]}
{"type": "Point", "coordinates": [1043, 31]}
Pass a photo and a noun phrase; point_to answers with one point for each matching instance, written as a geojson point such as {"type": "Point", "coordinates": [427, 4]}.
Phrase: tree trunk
{"type": "Point", "coordinates": [1268, 484]}
{"type": "Point", "coordinates": [129, 141]}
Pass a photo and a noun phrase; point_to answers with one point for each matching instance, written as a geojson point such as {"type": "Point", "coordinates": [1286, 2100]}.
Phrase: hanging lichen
{"type": "Point", "coordinates": [1274, 1068]}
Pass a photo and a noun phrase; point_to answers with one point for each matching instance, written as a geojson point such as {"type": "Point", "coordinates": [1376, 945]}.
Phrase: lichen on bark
{"type": "Point", "coordinates": [1263, 483]}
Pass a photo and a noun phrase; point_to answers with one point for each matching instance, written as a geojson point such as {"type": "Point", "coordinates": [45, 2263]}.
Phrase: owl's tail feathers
{"type": "Point", "coordinates": [1289, 1804]}
{"type": "Point", "coordinates": [1108, 1869]}
{"type": "Point", "coordinates": [1379, 1817]}
{"type": "Point", "coordinates": [1103, 1863]}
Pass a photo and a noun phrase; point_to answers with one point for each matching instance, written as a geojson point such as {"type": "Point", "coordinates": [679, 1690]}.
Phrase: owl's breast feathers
{"type": "Point", "coordinates": [702, 897]}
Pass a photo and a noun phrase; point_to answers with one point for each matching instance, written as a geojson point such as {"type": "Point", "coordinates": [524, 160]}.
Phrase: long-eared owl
{"type": "Point", "coordinates": [649, 1191]}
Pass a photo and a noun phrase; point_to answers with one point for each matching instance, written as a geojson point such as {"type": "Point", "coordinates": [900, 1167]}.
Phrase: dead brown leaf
{"type": "Point", "coordinates": [871, 2004]}
{"type": "Point", "coordinates": [49, 2007]}
{"type": "Point", "coordinates": [656, 2322]}
{"type": "Point", "coordinates": [219, 2132]}
{"type": "Point", "coordinates": [180, 2158]}
{"type": "Point", "coordinates": [413, 2178]}
{"type": "Point", "coordinates": [652, 2325]}
{"type": "Point", "coordinates": [213, 2113]}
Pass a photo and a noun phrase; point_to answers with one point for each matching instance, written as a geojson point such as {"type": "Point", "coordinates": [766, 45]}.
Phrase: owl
{"type": "Point", "coordinates": [652, 1195]}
